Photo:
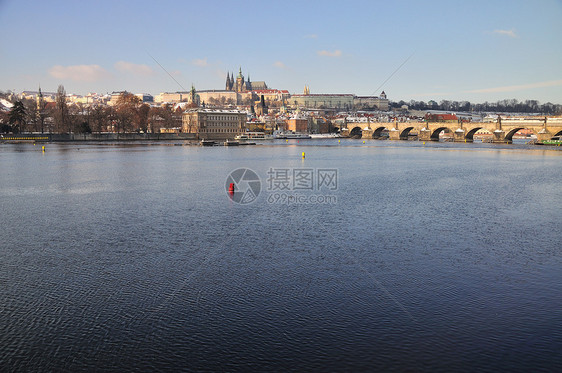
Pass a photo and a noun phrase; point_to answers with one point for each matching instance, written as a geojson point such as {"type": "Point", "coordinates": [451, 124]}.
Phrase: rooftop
{"type": "Point", "coordinates": [326, 95]}
{"type": "Point", "coordinates": [215, 111]}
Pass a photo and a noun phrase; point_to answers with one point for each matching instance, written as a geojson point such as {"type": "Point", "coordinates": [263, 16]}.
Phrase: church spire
{"type": "Point", "coordinates": [39, 99]}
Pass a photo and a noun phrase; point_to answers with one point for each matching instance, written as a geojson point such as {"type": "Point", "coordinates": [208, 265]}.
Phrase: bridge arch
{"type": "Point", "coordinates": [437, 131]}
{"type": "Point", "coordinates": [377, 133]}
{"type": "Point", "coordinates": [509, 135]}
{"type": "Point", "coordinates": [356, 132]}
{"type": "Point", "coordinates": [470, 134]}
{"type": "Point", "coordinates": [405, 133]}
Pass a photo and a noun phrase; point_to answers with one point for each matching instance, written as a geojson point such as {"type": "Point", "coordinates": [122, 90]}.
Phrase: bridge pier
{"type": "Point", "coordinates": [424, 134]}
{"type": "Point", "coordinates": [544, 135]}
{"type": "Point", "coordinates": [499, 136]}
{"type": "Point", "coordinates": [394, 134]}
{"type": "Point", "coordinates": [459, 135]}
{"type": "Point", "coordinates": [367, 133]}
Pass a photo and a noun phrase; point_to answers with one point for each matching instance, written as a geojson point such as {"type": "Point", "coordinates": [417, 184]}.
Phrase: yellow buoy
{"type": "Point", "coordinates": [43, 147]}
{"type": "Point", "coordinates": [302, 155]}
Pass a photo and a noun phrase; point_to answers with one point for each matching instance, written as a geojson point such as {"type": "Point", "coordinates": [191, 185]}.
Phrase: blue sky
{"type": "Point", "coordinates": [458, 50]}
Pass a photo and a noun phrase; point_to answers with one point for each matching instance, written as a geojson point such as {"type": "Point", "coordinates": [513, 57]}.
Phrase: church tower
{"type": "Point", "coordinates": [40, 109]}
{"type": "Point", "coordinates": [39, 100]}
{"type": "Point", "coordinates": [193, 98]}
{"type": "Point", "coordinates": [240, 81]}
{"type": "Point", "coordinates": [227, 88]}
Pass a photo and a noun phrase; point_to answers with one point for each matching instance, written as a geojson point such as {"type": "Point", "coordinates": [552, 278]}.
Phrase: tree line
{"type": "Point", "coordinates": [129, 114]}
{"type": "Point", "coordinates": [501, 106]}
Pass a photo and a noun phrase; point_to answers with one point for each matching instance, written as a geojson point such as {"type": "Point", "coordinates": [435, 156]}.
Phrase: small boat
{"type": "Point", "coordinates": [231, 143]}
{"type": "Point", "coordinates": [290, 135]}
{"type": "Point", "coordinates": [254, 136]}
{"type": "Point", "coordinates": [207, 142]}
{"type": "Point", "coordinates": [325, 136]}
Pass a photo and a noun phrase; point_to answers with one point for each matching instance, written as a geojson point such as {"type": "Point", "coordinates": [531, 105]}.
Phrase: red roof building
{"type": "Point", "coordinates": [432, 117]}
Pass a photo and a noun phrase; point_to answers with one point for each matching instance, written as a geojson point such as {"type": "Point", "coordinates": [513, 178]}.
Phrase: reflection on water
{"type": "Point", "coordinates": [436, 257]}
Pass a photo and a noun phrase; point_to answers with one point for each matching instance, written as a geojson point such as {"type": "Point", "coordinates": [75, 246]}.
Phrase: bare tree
{"type": "Point", "coordinates": [32, 114]}
{"type": "Point", "coordinates": [126, 112]}
{"type": "Point", "coordinates": [142, 117]}
{"type": "Point", "coordinates": [99, 118]}
{"type": "Point", "coordinates": [62, 122]}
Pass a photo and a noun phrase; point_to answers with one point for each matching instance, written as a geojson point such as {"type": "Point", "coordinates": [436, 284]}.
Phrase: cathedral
{"type": "Point", "coordinates": [241, 84]}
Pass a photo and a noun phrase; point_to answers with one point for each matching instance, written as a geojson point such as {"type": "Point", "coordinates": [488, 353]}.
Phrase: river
{"type": "Point", "coordinates": [375, 256]}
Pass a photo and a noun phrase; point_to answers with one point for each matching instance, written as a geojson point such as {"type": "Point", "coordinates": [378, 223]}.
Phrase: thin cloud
{"type": "Point", "coordinates": [176, 73]}
{"type": "Point", "coordinates": [79, 73]}
{"type": "Point", "coordinates": [136, 69]}
{"type": "Point", "coordinates": [515, 88]}
{"type": "Point", "coordinates": [325, 53]}
{"type": "Point", "coordinates": [202, 62]}
{"type": "Point", "coordinates": [220, 73]}
{"type": "Point", "coordinates": [280, 65]}
{"type": "Point", "coordinates": [511, 33]}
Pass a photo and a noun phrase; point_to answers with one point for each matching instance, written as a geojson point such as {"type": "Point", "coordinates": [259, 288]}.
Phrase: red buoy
{"type": "Point", "coordinates": [231, 188]}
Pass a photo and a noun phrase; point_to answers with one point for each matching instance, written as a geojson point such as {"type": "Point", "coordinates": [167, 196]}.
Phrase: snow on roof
{"type": "Point", "coordinates": [217, 111]}
{"type": "Point", "coordinates": [270, 91]}
{"type": "Point", "coordinates": [325, 95]}
{"type": "Point", "coordinates": [6, 103]}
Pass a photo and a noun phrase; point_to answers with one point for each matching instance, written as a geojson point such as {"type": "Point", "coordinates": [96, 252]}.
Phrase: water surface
{"type": "Point", "coordinates": [436, 257]}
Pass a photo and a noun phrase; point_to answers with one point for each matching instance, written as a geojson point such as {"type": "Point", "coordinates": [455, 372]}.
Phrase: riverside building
{"type": "Point", "coordinates": [339, 101]}
{"type": "Point", "coordinates": [213, 124]}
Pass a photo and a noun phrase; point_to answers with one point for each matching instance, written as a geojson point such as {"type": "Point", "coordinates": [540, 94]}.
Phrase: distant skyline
{"type": "Point", "coordinates": [438, 50]}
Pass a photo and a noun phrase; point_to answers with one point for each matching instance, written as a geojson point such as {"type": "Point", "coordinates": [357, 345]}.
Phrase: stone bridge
{"type": "Point", "coordinates": [502, 130]}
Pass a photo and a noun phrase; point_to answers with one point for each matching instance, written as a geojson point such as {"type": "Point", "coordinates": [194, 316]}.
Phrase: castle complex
{"type": "Point", "coordinates": [241, 85]}
{"type": "Point", "coordinates": [240, 90]}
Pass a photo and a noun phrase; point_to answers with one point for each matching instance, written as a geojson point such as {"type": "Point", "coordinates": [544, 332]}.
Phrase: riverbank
{"type": "Point", "coordinates": [56, 137]}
